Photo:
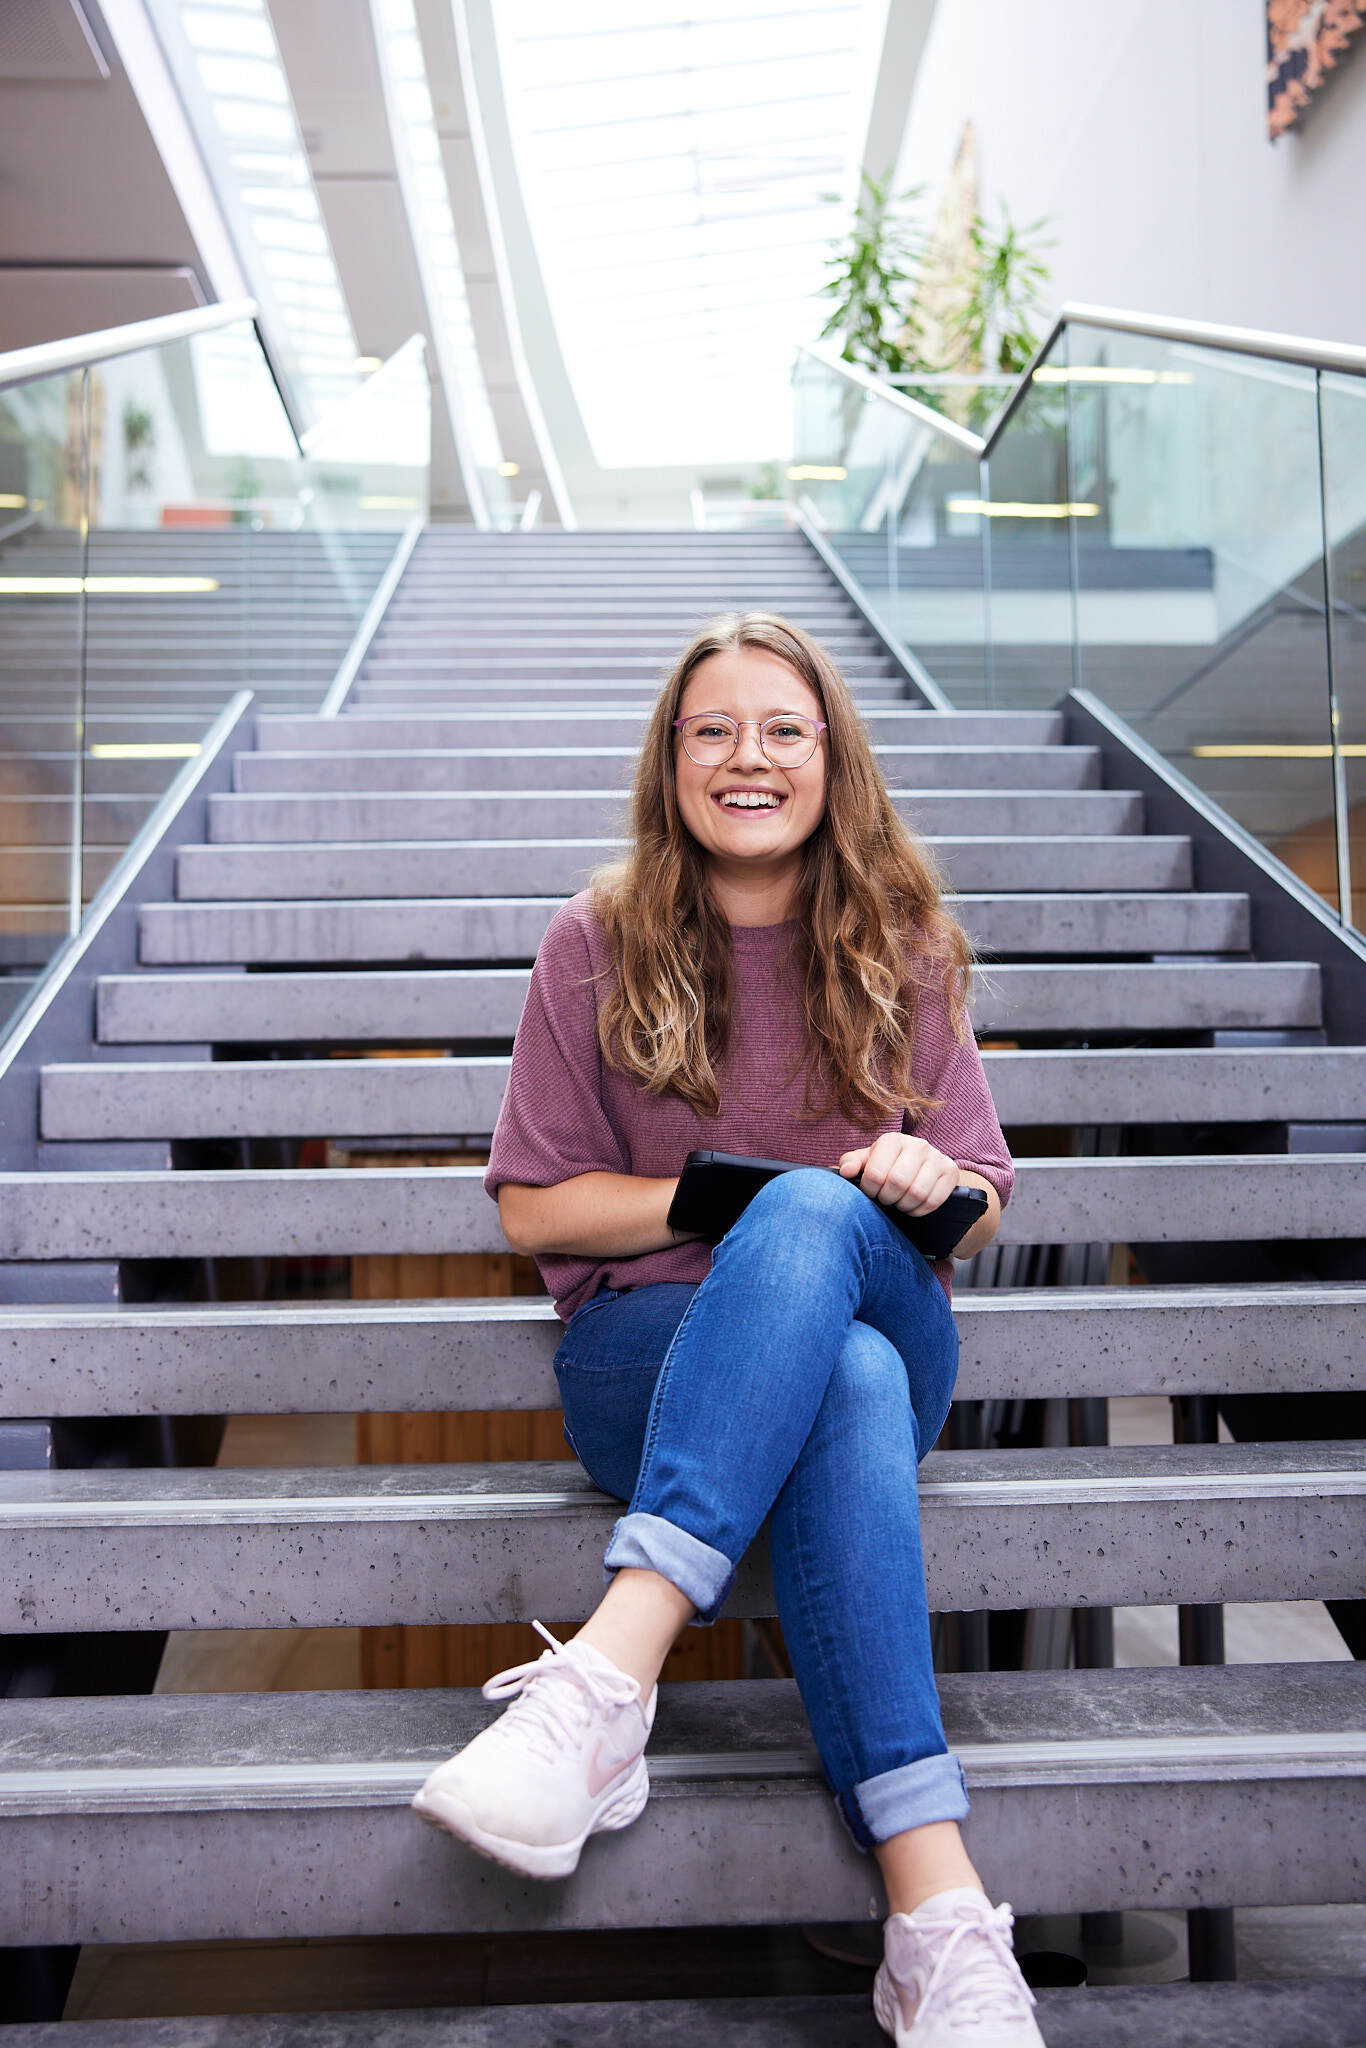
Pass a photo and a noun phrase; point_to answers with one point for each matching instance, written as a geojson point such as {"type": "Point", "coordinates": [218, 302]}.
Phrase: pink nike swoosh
{"type": "Point", "coordinates": [605, 1767]}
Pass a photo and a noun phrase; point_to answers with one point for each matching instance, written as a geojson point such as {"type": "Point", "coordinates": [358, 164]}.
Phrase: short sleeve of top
{"type": "Point", "coordinates": [565, 1113]}
{"type": "Point", "coordinates": [553, 1122]}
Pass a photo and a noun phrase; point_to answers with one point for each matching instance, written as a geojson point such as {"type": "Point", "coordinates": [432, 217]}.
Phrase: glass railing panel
{"type": "Point", "coordinates": [1342, 402]}
{"type": "Point", "coordinates": [1023, 508]}
{"type": "Point", "coordinates": [888, 488]}
{"type": "Point", "coordinates": [222, 558]}
{"type": "Point", "coordinates": [1200, 598]}
{"type": "Point", "coordinates": [42, 513]}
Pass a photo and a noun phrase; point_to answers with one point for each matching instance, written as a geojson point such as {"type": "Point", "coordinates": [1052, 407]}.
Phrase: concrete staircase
{"type": "Point", "coordinates": [381, 881]}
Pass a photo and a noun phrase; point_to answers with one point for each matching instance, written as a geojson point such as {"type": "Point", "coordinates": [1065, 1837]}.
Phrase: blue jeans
{"type": "Point", "coordinates": [802, 1381]}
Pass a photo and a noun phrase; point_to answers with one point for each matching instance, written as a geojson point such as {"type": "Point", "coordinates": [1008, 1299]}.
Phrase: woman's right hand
{"type": "Point", "coordinates": [591, 1215]}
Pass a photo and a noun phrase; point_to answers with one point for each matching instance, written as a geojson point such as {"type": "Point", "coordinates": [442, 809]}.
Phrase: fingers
{"type": "Point", "coordinates": [907, 1173]}
{"type": "Point", "coordinates": [852, 1163]}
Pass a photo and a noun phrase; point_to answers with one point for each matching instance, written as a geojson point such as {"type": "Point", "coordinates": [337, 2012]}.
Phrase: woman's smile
{"type": "Point", "coordinates": [750, 815]}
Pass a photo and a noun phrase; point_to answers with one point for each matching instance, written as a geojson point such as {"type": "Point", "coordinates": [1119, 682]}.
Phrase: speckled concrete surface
{"type": "Point", "coordinates": [398, 1098]}
{"type": "Point", "coordinates": [475, 814]}
{"type": "Point", "coordinates": [343, 1356]}
{"type": "Point", "coordinates": [424, 1544]}
{"type": "Point", "coordinates": [617, 722]}
{"type": "Point", "coordinates": [275, 1816]}
{"type": "Point", "coordinates": [441, 1004]}
{"type": "Point", "coordinates": [1201, 1199]}
{"type": "Point", "coordinates": [1291, 2015]}
{"type": "Point", "coordinates": [593, 767]}
{"type": "Point", "coordinates": [511, 928]}
{"type": "Point", "coordinates": [556, 867]}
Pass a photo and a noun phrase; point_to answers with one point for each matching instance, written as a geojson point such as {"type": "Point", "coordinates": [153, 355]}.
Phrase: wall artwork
{"type": "Point", "coordinates": [1304, 40]}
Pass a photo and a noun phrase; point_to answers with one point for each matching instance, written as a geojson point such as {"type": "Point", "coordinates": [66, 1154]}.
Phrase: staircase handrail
{"type": "Point", "coordinates": [1344, 356]}
{"type": "Point", "coordinates": [80, 351]}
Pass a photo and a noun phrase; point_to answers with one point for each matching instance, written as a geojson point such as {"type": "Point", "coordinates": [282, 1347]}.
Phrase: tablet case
{"type": "Point", "coordinates": [715, 1188]}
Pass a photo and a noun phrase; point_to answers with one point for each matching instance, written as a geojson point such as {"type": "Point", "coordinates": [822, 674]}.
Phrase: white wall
{"type": "Point", "coordinates": [1140, 126]}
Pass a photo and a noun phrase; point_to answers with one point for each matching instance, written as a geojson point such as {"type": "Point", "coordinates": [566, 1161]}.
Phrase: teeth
{"type": "Point", "coordinates": [750, 800]}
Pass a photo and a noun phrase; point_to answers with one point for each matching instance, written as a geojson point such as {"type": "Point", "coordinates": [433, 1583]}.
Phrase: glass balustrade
{"type": "Point", "coordinates": [42, 549]}
{"type": "Point", "coordinates": [1178, 527]}
{"type": "Point", "coordinates": [892, 483]}
{"type": "Point", "coordinates": [165, 539]}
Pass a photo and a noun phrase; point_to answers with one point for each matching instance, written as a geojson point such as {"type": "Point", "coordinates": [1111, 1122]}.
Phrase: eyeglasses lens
{"type": "Point", "coordinates": [786, 741]}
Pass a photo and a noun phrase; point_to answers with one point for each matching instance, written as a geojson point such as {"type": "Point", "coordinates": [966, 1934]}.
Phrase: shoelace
{"type": "Point", "coordinates": [554, 1694]}
{"type": "Point", "coordinates": [987, 1985]}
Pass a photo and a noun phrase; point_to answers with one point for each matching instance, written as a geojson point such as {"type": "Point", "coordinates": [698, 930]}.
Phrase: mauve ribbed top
{"type": "Point", "coordinates": [567, 1112]}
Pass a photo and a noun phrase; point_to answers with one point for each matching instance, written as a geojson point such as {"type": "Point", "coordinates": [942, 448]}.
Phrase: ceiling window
{"type": "Point", "coordinates": [677, 171]}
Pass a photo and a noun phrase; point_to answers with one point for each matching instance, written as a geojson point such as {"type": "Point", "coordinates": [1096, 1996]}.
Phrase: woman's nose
{"type": "Point", "coordinates": [748, 753]}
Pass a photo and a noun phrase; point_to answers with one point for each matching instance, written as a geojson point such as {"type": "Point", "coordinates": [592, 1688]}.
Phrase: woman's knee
{"type": "Point", "coordinates": [806, 1198]}
{"type": "Point", "coordinates": [873, 1378]}
{"type": "Point", "coordinates": [870, 1373]}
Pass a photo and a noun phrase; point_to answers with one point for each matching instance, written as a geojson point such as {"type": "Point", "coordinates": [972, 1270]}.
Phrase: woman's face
{"type": "Point", "coordinates": [750, 839]}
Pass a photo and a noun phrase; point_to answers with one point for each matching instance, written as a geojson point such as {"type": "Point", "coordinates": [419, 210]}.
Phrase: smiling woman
{"type": "Point", "coordinates": [770, 969]}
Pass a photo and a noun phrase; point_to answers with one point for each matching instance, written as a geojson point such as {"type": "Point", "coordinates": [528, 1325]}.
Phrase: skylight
{"type": "Point", "coordinates": [236, 66]}
{"type": "Point", "coordinates": [434, 228]}
{"type": "Point", "coordinates": [676, 172]}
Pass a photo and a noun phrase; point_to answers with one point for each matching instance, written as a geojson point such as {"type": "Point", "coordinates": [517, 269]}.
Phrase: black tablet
{"type": "Point", "coordinates": [715, 1188]}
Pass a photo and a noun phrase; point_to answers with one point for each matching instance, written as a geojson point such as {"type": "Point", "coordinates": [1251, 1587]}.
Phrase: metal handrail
{"type": "Point", "coordinates": [1250, 341]}
{"type": "Point", "coordinates": [47, 358]}
{"type": "Point", "coordinates": [414, 347]}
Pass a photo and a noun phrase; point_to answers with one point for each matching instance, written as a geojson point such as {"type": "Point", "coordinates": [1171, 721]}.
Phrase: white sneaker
{"type": "Point", "coordinates": [949, 1977]}
{"type": "Point", "coordinates": [565, 1761]}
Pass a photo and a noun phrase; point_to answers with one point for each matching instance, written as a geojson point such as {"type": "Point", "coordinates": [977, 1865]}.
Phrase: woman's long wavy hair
{"type": "Point", "coordinates": [872, 927]}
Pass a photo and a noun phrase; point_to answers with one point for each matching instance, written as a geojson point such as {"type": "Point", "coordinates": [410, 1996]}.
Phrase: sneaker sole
{"type": "Point", "coordinates": [535, 1859]}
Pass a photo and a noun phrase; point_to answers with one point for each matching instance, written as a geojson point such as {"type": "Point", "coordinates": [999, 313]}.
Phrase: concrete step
{"type": "Point", "coordinates": [591, 814]}
{"type": "Point", "coordinates": [555, 867]}
{"type": "Point", "coordinates": [389, 671]}
{"type": "Point", "coordinates": [611, 768]}
{"type": "Point", "coordinates": [435, 1007]}
{"type": "Point", "coordinates": [1276, 2013]}
{"type": "Point", "coordinates": [425, 1098]}
{"type": "Point", "coordinates": [622, 725]}
{"type": "Point", "coordinates": [417, 1545]}
{"type": "Point", "coordinates": [279, 1817]}
{"type": "Point", "coordinates": [254, 1212]}
{"type": "Point", "coordinates": [339, 1357]}
{"type": "Point", "coordinates": [511, 928]}
{"type": "Point", "coordinates": [453, 696]}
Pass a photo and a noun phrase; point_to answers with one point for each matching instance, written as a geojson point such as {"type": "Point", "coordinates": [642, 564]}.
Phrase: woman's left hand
{"type": "Point", "coordinates": [902, 1172]}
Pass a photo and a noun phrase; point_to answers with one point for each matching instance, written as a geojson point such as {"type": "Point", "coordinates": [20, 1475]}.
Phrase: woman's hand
{"type": "Point", "coordinates": [907, 1173]}
{"type": "Point", "coordinates": [902, 1172]}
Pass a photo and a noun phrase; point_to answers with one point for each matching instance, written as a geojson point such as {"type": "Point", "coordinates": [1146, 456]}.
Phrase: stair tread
{"type": "Point", "coordinates": [495, 1353]}
{"type": "Point", "coordinates": [1199, 1198]}
{"type": "Point", "coordinates": [1283, 2013]}
{"type": "Point", "coordinates": [1009, 1727]}
{"type": "Point", "coordinates": [376, 1545]}
{"type": "Point", "coordinates": [422, 1097]}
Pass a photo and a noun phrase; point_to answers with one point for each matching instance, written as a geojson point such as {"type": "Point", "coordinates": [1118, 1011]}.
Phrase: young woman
{"type": "Point", "coordinates": [768, 971]}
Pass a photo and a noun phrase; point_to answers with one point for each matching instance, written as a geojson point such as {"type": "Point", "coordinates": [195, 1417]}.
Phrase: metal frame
{"type": "Point", "coordinates": [365, 632]}
{"type": "Point", "coordinates": [48, 358]}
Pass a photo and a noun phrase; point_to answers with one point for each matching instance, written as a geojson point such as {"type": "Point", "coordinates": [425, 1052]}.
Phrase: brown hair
{"type": "Point", "coordinates": [873, 930]}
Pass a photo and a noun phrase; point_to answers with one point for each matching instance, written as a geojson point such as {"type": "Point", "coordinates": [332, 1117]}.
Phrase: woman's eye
{"type": "Point", "coordinates": [710, 731]}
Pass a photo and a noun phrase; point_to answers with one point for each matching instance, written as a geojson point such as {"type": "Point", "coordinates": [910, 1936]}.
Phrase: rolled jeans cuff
{"type": "Point", "coordinates": [649, 1543]}
{"type": "Point", "coordinates": [910, 1796]}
